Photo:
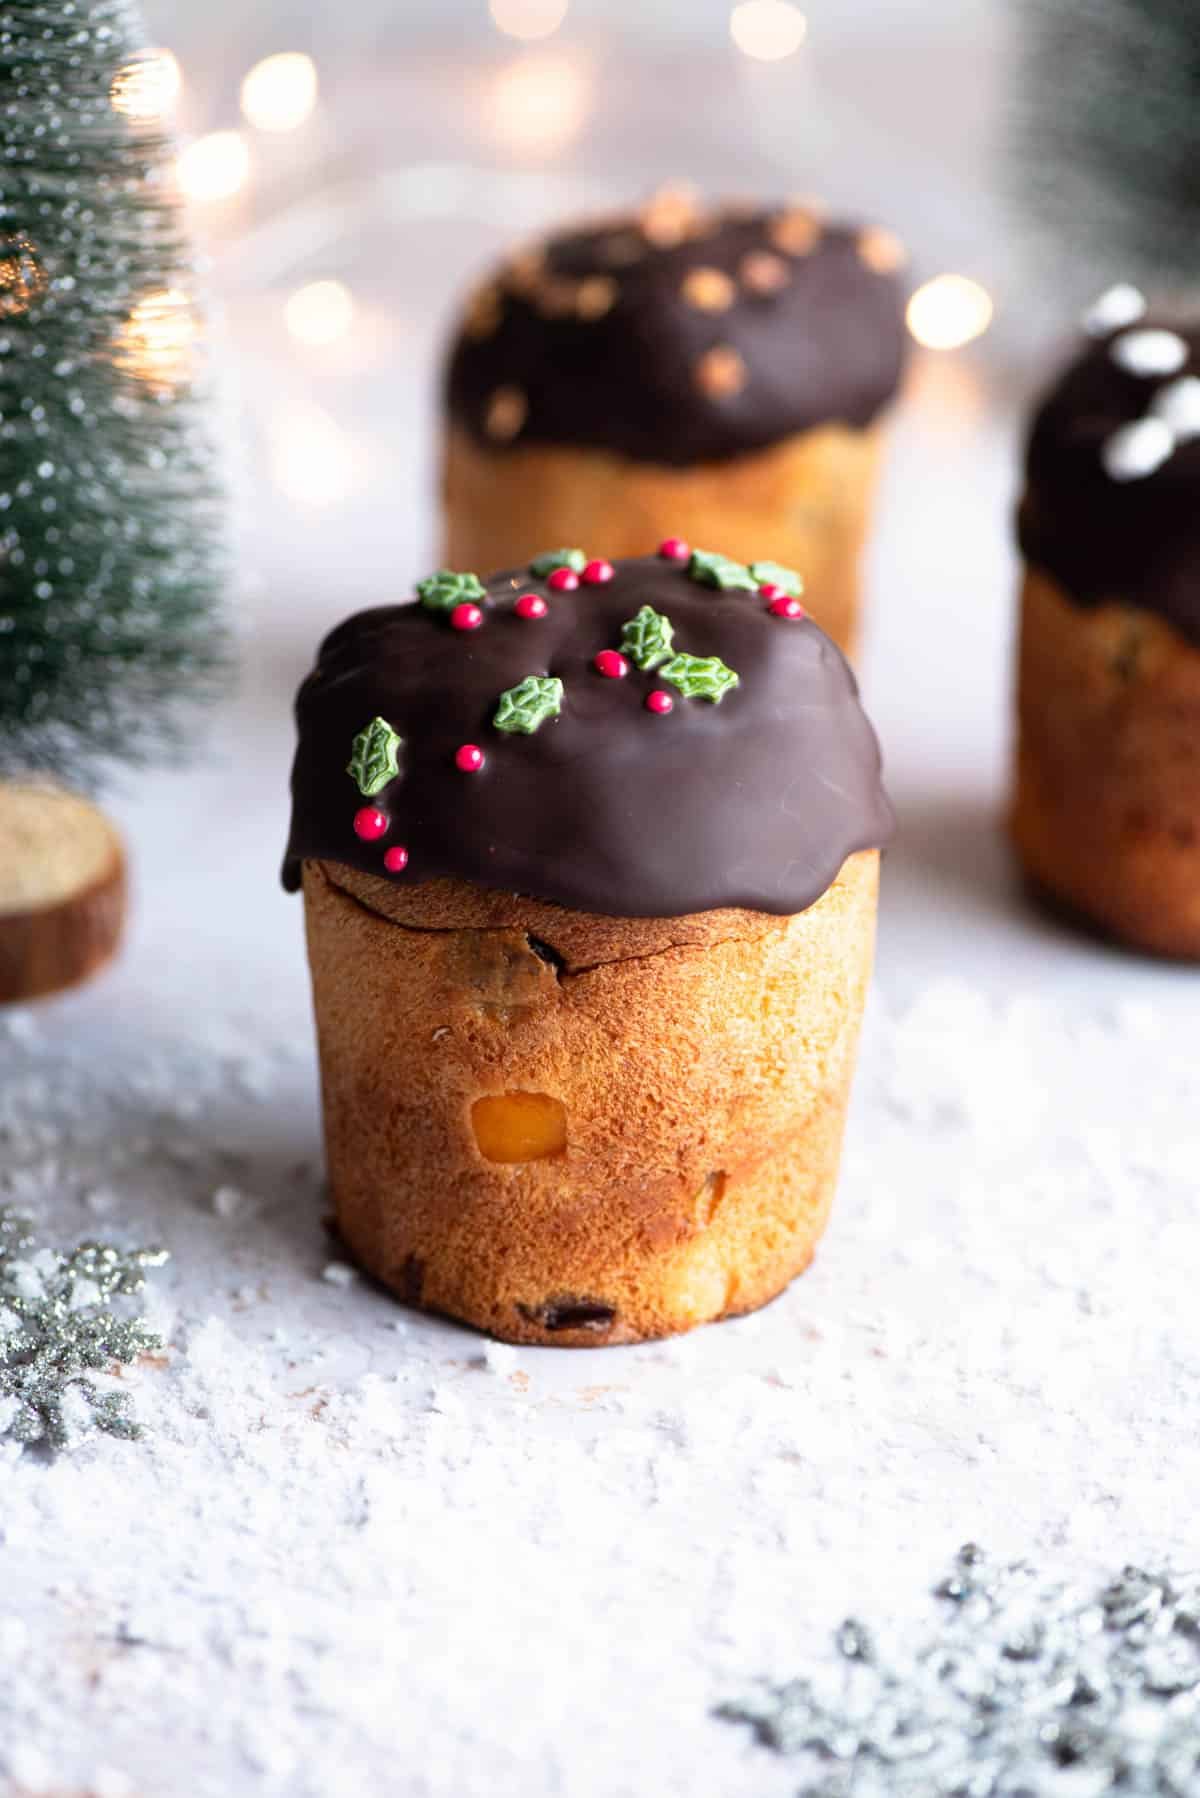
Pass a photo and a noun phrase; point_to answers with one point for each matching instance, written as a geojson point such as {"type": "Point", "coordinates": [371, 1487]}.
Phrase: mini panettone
{"type": "Point", "coordinates": [589, 855]}
{"type": "Point", "coordinates": [1106, 815]}
{"type": "Point", "coordinates": [723, 373]}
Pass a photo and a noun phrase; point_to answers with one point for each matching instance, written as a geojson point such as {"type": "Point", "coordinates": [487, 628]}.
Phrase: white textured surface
{"type": "Point", "coordinates": [363, 1551]}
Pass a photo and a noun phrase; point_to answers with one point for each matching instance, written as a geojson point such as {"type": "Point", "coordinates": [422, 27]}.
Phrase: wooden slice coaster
{"type": "Point", "coordinates": [62, 891]}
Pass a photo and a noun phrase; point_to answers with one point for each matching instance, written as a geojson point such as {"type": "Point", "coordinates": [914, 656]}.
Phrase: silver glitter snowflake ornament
{"type": "Point", "coordinates": [57, 1327]}
{"type": "Point", "coordinates": [1029, 1688]}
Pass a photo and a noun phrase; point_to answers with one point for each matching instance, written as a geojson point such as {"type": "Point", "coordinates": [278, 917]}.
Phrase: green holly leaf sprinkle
{"type": "Point", "coordinates": [778, 576]}
{"type": "Point", "coordinates": [648, 638]}
{"type": "Point", "coordinates": [712, 570]}
{"type": "Point", "coordinates": [376, 757]}
{"type": "Point", "coordinates": [574, 559]}
{"type": "Point", "coordinates": [699, 677]}
{"type": "Point", "coordinates": [445, 589]}
{"type": "Point", "coordinates": [523, 708]}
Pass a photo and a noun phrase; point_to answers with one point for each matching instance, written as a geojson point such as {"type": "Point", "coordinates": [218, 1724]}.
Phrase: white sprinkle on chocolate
{"type": "Point", "coordinates": [506, 413]}
{"type": "Point", "coordinates": [1119, 306]}
{"type": "Point", "coordinates": [1149, 353]}
{"type": "Point", "coordinates": [708, 290]}
{"type": "Point", "coordinates": [1136, 450]}
{"type": "Point", "coordinates": [1178, 405]}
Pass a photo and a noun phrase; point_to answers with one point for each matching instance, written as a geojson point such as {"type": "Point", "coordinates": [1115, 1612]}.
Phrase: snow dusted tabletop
{"type": "Point", "coordinates": [361, 1550]}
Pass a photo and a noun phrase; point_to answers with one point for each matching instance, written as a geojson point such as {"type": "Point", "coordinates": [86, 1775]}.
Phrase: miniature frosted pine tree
{"type": "Point", "coordinates": [1107, 124]}
{"type": "Point", "coordinates": [109, 526]}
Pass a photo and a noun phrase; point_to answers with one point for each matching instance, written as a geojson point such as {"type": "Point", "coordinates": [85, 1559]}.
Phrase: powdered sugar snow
{"type": "Point", "coordinates": [352, 1557]}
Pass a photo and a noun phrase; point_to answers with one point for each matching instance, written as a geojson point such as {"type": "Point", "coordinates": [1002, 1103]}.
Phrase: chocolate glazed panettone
{"type": "Point", "coordinates": [589, 858]}
{"type": "Point", "coordinates": [724, 374]}
{"type": "Point", "coordinates": [1106, 815]}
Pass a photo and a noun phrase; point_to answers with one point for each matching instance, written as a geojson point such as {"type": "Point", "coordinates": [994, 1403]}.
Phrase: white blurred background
{"type": "Point", "coordinates": [350, 167]}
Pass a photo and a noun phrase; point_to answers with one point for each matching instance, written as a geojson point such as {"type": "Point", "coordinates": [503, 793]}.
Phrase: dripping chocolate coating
{"type": "Point", "coordinates": [753, 802]}
{"type": "Point", "coordinates": [1135, 541]}
{"type": "Point", "coordinates": [817, 333]}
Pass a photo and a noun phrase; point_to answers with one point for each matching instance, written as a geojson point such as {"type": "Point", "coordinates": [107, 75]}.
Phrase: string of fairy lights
{"type": "Point", "coordinates": [539, 103]}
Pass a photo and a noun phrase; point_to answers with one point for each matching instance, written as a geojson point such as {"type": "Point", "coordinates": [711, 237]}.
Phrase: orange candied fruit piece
{"type": "Point", "coordinates": [517, 1127]}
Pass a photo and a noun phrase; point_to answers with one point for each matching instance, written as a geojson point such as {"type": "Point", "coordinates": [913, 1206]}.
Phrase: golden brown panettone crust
{"type": "Point", "coordinates": [804, 502]}
{"type": "Point", "coordinates": [1106, 815]}
{"type": "Point", "coordinates": [704, 1064]}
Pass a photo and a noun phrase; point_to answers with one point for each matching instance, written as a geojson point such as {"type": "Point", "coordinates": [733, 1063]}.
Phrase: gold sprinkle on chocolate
{"type": "Point", "coordinates": [507, 411]}
{"type": "Point", "coordinates": [525, 270]}
{"type": "Point", "coordinates": [761, 271]}
{"type": "Point", "coordinates": [595, 297]}
{"type": "Point", "coordinates": [721, 372]}
{"type": "Point", "coordinates": [795, 231]}
{"type": "Point", "coordinates": [881, 250]}
{"type": "Point", "coordinates": [670, 216]}
{"type": "Point", "coordinates": [708, 289]}
{"type": "Point", "coordinates": [485, 310]}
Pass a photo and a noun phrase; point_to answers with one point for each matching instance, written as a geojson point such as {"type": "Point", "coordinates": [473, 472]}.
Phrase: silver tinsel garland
{"type": "Point", "coordinates": [56, 1326]}
{"type": "Point", "coordinates": [1029, 1688]}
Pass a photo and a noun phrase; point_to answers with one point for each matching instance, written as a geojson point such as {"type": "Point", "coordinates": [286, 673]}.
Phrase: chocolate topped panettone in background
{"type": "Point", "coordinates": [589, 854]}
{"type": "Point", "coordinates": [719, 372]}
{"type": "Point", "coordinates": [1107, 808]}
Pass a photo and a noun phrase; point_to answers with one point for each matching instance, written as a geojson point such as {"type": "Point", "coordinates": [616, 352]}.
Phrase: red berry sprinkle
{"type": "Point", "coordinates": [396, 859]}
{"type": "Point", "coordinates": [370, 823]}
{"type": "Point", "coordinates": [596, 574]}
{"type": "Point", "coordinates": [770, 590]}
{"type": "Point", "coordinates": [469, 759]}
{"type": "Point", "coordinates": [659, 702]}
{"type": "Point", "coordinates": [466, 617]}
{"type": "Point", "coordinates": [674, 549]}
{"type": "Point", "coordinates": [786, 607]}
{"type": "Point", "coordinates": [610, 664]}
{"type": "Point", "coordinates": [563, 580]}
{"type": "Point", "coordinates": [531, 605]}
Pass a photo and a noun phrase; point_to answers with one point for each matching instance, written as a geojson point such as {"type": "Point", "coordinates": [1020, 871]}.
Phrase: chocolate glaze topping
{"type": "Point", "coordinates": [676, 335]}
{"type": "Point", "coordinates": [755, 801]}
{"type": "Point", "coordinates": [1133, 539]}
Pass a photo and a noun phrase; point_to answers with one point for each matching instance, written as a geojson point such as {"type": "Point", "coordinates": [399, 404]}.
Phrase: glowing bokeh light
{"type": "Point", "coordinates": [949, 311]}
{"type": "Point", "coordinates": [768, 30]}
{"type": "Point", "coordinates": [280, 92]}
{"type": "Point", "coordinates": [214, 167]}
{"type": "Point", "coordinates": [147, 87]}
{"type": "Point", "coordinates": [539, 103]}
{"type": "Point", "coordinates": [314, 462]}
{"type": "Point", "coordinates": [319, 313]}
{"type": "Point", "coordinates": [528, 19]}
{"type": "Point", "coordinates": [158, 340]}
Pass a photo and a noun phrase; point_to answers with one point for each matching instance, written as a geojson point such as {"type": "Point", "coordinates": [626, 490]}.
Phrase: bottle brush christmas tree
{"type": "Point", "coordinates": [109, 526]}
{"type": "Point", "coordinates": [1108, 131]}
{"type": "Point", "coordinates": [109, 529]}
